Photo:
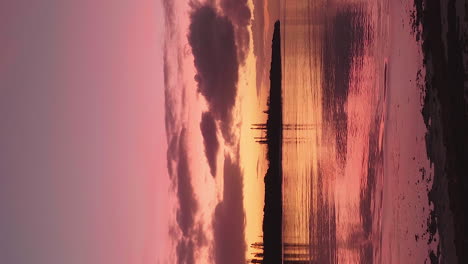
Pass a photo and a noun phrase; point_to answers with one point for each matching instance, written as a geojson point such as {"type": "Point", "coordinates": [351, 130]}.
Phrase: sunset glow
{"type": "Point", "coordinates": [233, 131]}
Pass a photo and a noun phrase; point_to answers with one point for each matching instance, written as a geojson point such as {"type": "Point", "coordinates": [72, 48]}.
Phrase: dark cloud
{"type": "Point", "coordinates": [187, 202]}
{"type": "Point", "coordinates": [210, 140]}
{"type": "Point", "coordinates": [169, 115]}
{"type": "Point", "coordinates": [199, 236]}
{"type": "Point", "coordinates": [239, 13]}
{"type": "Point", "coordinates": [168, 6]}
{"type": "Point", "coordinates": [171, 155]}
{"type": "Point", "coordinates": [211, 37]}
{"type": "Point", "coordinates": [192, 232]}
{"type": "Point", "coordinates": [193, 235]}
{"type": "Point", "coordinates": [229, 218]}
{"type": "Point", "coordinates": [187, 247]}
{"type": "Point", "coordinates": [185, 252]}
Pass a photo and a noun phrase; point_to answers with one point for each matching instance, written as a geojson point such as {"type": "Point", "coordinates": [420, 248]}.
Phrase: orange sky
{"type": "Point", "coordinates": [209, 190]}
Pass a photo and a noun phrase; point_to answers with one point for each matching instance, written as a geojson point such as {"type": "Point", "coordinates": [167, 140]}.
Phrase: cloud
{"type": "Point", "coordinates": [229, 218]}
{"type": "Point", "coordinates": [193, 235]}
{"type": "Point", "coordinates": [187, 231]}
{"type": "Point", "coordinates": [185, 251]}
{"type": "Point", "coordinates": [239, 13]}
{"type": "Point", "coordinates": [210, 140]}
{"type": "Point", "coordinates": [174, 88]}
{"type": "Point", "coordinates": [211, 37]}
{"type": "Point", "coordinates": [258, 29]}
{"type": "Point", "coordinates": [188, 247]}
{"type": "Point", "coordinates": [186, 197]}
{"type": "Point", "coordinates": [168, 102]}
{"type": "Point", "coordinates": [168, 6]}
{"type": "Point", "coordinates": [216, 46]}
{"type": "Point", "coordinates": [171, 155]}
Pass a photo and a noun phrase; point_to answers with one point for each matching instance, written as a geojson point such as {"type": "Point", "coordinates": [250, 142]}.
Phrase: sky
{"type": "Point", "coordinates": [211, 99]}
{"type": "Point", "coordinates": [126, 131]}
{"type": "Point", "coordinates": [83, 160]}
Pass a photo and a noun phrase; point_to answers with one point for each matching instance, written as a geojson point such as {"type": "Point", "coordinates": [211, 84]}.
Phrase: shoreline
{"type": "Point", "coordinates": [445, 116]}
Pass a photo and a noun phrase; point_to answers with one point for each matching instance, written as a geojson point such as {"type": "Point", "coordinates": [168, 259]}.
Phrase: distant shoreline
{"type": "Point", "coordinates": [271, 248]}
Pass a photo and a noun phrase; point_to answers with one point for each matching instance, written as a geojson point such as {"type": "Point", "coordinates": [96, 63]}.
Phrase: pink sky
{"type": "Point", "coordinates": [84, 171]}
{"type": "Point", "coordinates": [84, 174]}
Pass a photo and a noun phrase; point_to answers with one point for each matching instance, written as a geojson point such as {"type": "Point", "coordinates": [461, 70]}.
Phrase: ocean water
{"type": "Point", "coordinates": [356, 177]}
{"type": "Point", "coordinates": [334, 88]}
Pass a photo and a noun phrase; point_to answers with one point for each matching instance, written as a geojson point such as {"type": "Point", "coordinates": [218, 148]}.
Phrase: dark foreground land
{"type": "Point", "coordinates": [273, 209]}
{"type": "Point", "coordinates": [445, 112]}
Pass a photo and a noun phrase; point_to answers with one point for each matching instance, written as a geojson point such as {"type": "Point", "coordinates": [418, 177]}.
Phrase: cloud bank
{"type": "Point", "coordinates": [219, 41]}
{"type": "Point", "coordinates": [187, 202]}
{"type": "Point", "coordinates": [229, 218]}
{"type": "Point", "coordinates": [211, 37]}
{"type": "Point", "coordinates": [239, 13]}
{"type": "Point", "coordinates": [210, 140]}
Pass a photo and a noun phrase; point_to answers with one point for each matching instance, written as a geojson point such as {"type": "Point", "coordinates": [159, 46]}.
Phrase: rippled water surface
{"type": "Point", "coordinates": [334, 74]}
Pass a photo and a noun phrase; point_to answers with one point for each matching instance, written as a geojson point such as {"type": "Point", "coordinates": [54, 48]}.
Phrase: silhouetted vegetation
{"type": "Point", "coordinates": [273, 208]}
